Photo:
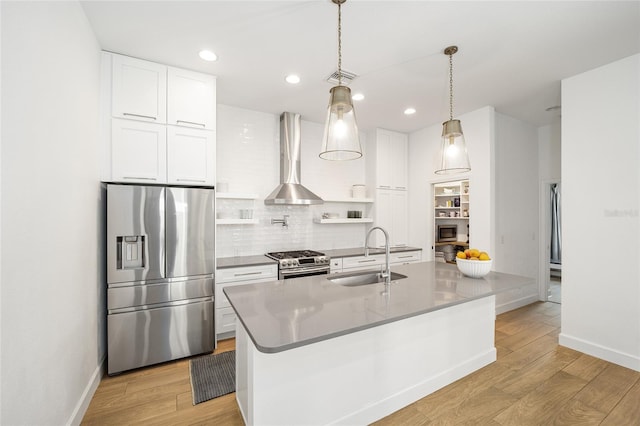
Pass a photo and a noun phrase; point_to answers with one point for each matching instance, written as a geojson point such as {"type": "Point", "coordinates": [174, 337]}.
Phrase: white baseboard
{"type": "Point", "coordinates": [515, 304]}
{"type": "Point", "coordinates": [620, 358]}
{"type": "Point", "coordinates": [87, 395]}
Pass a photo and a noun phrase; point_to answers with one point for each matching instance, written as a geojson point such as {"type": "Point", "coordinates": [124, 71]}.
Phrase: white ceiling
{"type": "Point", "coordinates": [513, 54]}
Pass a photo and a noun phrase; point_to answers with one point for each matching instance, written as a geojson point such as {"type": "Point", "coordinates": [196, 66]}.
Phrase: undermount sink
{"type": "Point", "coordinates": [363, 278]}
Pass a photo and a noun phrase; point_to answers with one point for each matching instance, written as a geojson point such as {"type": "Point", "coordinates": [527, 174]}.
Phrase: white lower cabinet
{"type": "Point", "coordinates": [241, 275]}
{"type": "Point", "coordinates": [336, 265]}
{"type": "Point", "coordinates": [406, 257]}
{"type": "Point", "coordinates": [363, 263]}
{"type": "Point", "coordinates": [373, 262]}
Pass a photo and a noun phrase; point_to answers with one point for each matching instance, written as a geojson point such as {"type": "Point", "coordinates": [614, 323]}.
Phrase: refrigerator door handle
{"type": "Point", "coordinates": [160, 305]}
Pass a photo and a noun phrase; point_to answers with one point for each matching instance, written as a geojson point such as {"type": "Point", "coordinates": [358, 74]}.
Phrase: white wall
{"type": "Point", "coordinates": [248, 157]}
{"type": "Point", "coordinates": [516, 212]}
{"type": "Point", "coordinates": [549, 145]}
{"type": "Point", "coordinates": [52, 326]}
{"type": "Point", "coordinates": [424, 149]}
{"type": "Point", "coordinates": [601, 192]}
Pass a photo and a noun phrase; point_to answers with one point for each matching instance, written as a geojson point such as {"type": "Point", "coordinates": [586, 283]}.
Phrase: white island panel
{"type": "Point", "coordinates": [361, 377]}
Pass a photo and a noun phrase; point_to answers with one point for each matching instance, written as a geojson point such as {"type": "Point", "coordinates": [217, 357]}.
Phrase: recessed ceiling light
{"type": "Point", "coordinates": [208, 55]}
{"type": "Point", "coordinates": [357, 97]}
{"type": "Point", "coordinates": [410, 111]}
{"type": "Point", "coordinates": [292, 79]}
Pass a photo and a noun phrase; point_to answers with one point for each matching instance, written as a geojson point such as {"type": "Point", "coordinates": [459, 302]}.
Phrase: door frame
{"type": "Point", "coordinates": [544, 230]}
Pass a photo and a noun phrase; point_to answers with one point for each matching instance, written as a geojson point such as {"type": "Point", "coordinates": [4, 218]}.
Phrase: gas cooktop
{"type": "Point", "coordinates": [295, 254]}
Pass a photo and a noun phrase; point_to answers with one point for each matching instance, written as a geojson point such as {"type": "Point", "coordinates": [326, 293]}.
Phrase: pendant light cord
{"type": "Point", "coordinates": [339, 44]}
{"type": "Point", "coordinates": [450, 86]}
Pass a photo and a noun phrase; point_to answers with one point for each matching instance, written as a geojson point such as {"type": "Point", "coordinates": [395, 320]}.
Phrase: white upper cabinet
{"type": "Point", "coordinates": [162, 123]}
{"type": "Point", "coordinates": [391, 159]}
{"type": "Point", "coordinates": [191, 156]}
{"type": "Point", "coordinates": [138, 151]}
{"type": "Point", "coordinates": [139, 90]}
{"type": "Point", "coordinates": [191, 99]}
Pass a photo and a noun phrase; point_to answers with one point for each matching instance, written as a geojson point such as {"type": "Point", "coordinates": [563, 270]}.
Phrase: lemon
{"type": "Point", "coordinates": [461, 255]}
{"type": "Point", "coordinates": [484, 256]}
{"type": "Point", "coordinates": [474, 252]}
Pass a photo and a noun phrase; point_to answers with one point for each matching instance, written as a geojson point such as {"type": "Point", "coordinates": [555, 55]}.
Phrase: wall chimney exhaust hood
{"type": "Point", "coordinates": [290, 191]}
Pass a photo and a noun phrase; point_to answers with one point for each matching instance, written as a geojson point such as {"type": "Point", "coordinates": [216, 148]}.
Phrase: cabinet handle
{"type": "Point", "coordinates": [137, 177]}
{"type": "Point", "coordinates": [366, 261]}
{"type": "Point", "coordinates": [247, 273]}
{"type": "Point", "coordinates": [384, 186]}
{"type": "Point", "coordinates": [191, 180]}
{"type": "Point", "coordinates": [404, 257]}
{"type": "Point", "coordinates": [138, 115]}
{"type": "Point", "coordinates": [401, 187]}
{"type": "Point", "coordinates": [191, 122]}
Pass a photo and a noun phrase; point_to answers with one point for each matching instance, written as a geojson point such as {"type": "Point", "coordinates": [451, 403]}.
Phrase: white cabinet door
{"type": "Point", "coordinates": [192, 99]}
{"type": "Point", "coordinates": [406, 257]}
{"type": "Point", "coordinates": [391, 159]}
{"type": "Point", "coordinates": [139, 90]}
{"type": "Point", "coordinates": [191, 156]}
{"type": "Point", "coordinates": [225, 315]}
{"type": "Point", "coordinates": [399, 216]}
{"type": "Point", "coordinates": [384, 174]}
{"type": "Point", "coordinates": [363, 263]}
{"type": "Point", "coordinates": [399, 151]}
{"type": "Point", "coordinates": [391, 214]}
{"type": "Point", "coordinates": [138, 151]}
{"type": "Point", "coordinates": [383, 216]}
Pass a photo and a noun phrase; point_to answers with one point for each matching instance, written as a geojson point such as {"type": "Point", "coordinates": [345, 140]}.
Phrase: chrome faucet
{"type": "Point", "coordinates": [386, 273]}
{"type": "Point", "coordinates": [284, 221]}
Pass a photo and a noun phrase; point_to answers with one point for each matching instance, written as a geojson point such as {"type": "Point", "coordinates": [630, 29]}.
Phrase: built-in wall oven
{"type": "Point", "coordinates": [300, 263]}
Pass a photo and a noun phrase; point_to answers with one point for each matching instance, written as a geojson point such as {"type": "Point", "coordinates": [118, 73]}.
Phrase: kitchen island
{"type": "Point", "coordinates": [310, 351]}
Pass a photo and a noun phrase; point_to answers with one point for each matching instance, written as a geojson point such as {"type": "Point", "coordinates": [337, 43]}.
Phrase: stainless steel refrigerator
{"type": "Point", "coordinates": [160, 274]}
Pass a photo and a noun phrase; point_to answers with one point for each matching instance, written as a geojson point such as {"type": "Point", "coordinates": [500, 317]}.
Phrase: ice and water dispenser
{"type": "Point", "coordinates": [130, 252]}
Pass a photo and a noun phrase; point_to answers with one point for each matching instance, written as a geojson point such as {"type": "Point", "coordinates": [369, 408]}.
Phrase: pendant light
{"type": "Point", "coordinates": [340, 140]}
{"type": "Point", "coordinates": [454, 149]}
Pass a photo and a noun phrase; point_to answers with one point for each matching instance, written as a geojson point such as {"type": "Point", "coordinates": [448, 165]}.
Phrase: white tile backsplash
{"type": "Point", "coordinates": [248, 157]}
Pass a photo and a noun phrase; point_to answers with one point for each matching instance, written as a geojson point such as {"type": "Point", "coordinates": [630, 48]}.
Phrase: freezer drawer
{"type": "Point", "coordinates": [142, 295]}
{"type": "Point", "coordinates": [141, 338]}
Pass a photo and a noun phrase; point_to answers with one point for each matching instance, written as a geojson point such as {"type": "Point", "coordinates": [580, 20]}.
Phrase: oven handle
{"type": "Point", "coordinates": [305, 270]}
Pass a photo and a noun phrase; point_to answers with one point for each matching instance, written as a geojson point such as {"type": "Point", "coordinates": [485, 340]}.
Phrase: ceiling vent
{"type": "Point", "coordinates": [347, 77]}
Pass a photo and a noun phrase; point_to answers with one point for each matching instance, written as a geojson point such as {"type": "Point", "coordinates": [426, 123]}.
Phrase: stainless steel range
{"type": "Point", "coordinates": [300, 263]}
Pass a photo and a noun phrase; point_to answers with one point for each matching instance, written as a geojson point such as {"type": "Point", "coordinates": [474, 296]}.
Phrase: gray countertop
{"type": "Point", "coordinates": [286, 314]}
{"type": "Point", "coordinates": [239, 261]}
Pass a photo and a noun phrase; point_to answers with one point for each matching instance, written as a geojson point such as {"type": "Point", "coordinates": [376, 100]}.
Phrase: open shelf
{"type": "Point", "coordinates": [237, 221]}
{"type": "Point", "coordinates": [343, 220]}
{"type": "Point", "coordinates": [236, 196]}
{"type": "Point", "coordinates": [348, 200]}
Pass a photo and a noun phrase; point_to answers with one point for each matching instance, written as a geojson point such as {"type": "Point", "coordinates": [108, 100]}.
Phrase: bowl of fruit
{"type": "Point", "coordinates": [473, 263]}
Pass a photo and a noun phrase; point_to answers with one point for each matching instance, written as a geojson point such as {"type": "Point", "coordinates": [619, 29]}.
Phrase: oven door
{"type": "Point", "coordinates": [304, 272]}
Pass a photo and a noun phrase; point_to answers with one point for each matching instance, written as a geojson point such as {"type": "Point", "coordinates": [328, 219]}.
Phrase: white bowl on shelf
{"type": "Point", "coordinates": [474, 268]}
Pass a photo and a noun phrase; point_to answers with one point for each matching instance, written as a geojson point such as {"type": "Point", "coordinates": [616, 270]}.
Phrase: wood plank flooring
{"type": "Point", "coordinates": [533, 382]}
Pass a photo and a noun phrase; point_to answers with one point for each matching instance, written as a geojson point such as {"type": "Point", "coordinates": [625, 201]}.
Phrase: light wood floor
{"type": "Point", "coordinates": [533, 382]}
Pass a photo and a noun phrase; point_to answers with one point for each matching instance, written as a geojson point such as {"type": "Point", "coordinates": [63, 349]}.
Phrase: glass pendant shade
{"type": "Point", "coordinates": [454, 149]}
{"type": "Point", "coordinates": [340, 140]}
